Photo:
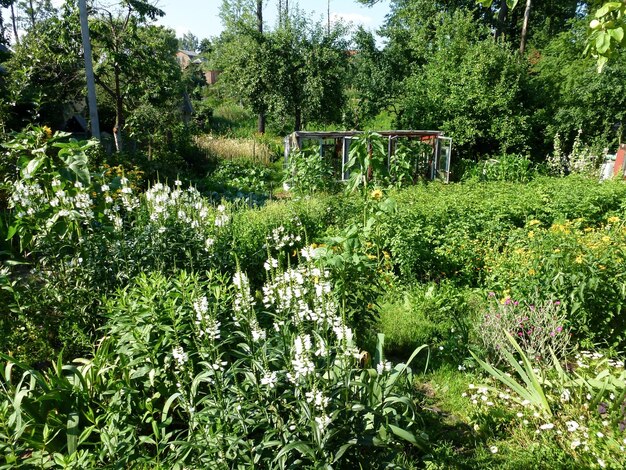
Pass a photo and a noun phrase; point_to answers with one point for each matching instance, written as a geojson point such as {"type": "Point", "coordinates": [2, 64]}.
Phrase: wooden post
{"type": "Point", "coordinates": [91, 84]}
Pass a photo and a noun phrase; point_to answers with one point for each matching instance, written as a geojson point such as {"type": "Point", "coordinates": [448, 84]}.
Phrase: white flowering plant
{"type": "Point", "coordinates": [207, 375]}
{"type": "Point", "coordinates": [581, 407]}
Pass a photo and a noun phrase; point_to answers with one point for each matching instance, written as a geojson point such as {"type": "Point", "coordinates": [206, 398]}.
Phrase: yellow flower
{"type": "Point", "coordinates": [613, 220]}
{"type": "Point", "coordinates": [606, 239]}
{"type": "Point", "coordinates": [534, 222]}
{"type": "Point", "coordinates": [531, 234]}
{"type": "Point", "coordinates": [601, 267]}
{"type": "Point", "coordinates": [371, 256]}
{"type": "Point", "coordinates": [532, 272]}
{"type": "Point", "coordinates": [588, 229]}
{"type": "Point", "coordinates": [579, 259]}
{"type": "Point", "coordinates": [377, 194]}
{"type": "Point", "coordinates": [47, 131]}
{"type": "Point", "coordinates": [557, 250]}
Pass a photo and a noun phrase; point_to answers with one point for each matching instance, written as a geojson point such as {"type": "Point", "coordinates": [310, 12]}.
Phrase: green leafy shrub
{"type": "Point", "coordinates": [573, 262]}
{"type": "Point", "coordinates": [307, 172]}
{"type": "Point", "coordinates": [513, 168]}
{"type": "Point", "coordinates": [447, 231]}
{"type": "Point", "coordinates": [237, 178]}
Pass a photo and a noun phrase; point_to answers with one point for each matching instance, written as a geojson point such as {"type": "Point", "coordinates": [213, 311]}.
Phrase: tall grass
{"type": "Point", "coordinates": [250, 149]}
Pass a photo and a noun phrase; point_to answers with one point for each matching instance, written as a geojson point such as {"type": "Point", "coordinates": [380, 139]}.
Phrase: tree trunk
{"type": "Point", "coordinates": [259, 16]}
{"type": "Point", "coordinates": [259, 25]}
{"type": "Point", "coordinates": [502, 14]}
{"type": "Point", "coordinates": [298, 124]}
{"type": "Point", "coordinates": [31, 13]}
{"type": "Point", "coordinates": [2, 38]}
{"type": "Point", "coordinates": [119, 113]}
{"type": "Point", "coordinates": [14, 22]}
{"type": "Point", "coordinates": [328, 16]}
{"type": "Point", "coordinates": [91, 84]}
{"type": "Point", "coordinates": [522, 45]}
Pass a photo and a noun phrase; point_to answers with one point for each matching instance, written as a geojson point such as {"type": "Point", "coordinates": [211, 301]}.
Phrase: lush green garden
{"type": "Point", "coordinates": [172, 297]}
{"type": "Point", "coordinates": [158, 325]}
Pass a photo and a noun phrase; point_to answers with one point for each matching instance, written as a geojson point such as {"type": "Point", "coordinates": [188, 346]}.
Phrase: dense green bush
{"type": "Point", "coordinates": [444, 231]}
{"type": "Point", "coordinates": [471, 87]}
{"type": "Point", "coordinates": [572, 262]}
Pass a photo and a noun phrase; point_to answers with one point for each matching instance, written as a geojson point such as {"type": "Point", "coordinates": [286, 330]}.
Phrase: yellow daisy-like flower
{"type": "Point", "coordinates": [47, 131]}
{"type": "Point", "coordinates": [606, 239]}
{"type": "Point", "coordinates": [377, 194]}
{"type": "Point", "coordinates": [613, 220]}
{"type": "Point", "coordinates": [532, 272]}
{"type": "Point", "coordinates": [588, 229]}
{"type": "Point", "coordinates": [579, 259]}
{"type": "Point", "coordinates": [531, 234]}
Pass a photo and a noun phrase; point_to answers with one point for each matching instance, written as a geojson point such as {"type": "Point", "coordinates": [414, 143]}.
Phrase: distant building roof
{"type": "Point", "coordinates": [189, 53]}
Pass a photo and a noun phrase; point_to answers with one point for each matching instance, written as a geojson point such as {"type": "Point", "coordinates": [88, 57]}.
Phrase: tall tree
{"type": "Point", "coordinates": [189, 42]}
{"type": "Point", "coordinates": [35, 11]}
{"type": "Point", "coordinates": [116, 34]}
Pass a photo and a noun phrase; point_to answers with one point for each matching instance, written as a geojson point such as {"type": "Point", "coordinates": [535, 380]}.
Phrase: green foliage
{"type": "Point", "coordinates": [573, 261]}
{"type": "Point", "coordinates": [49, 196]}
{"type": "Point", "coordinates": [470, 87]}
{"type": "Point", "coordinates": [447, 231]}
{"type": "Point", "coordinates": [587, 407]}
{"type": "Point", "coordinates": [570, 94]}
{"type": "Point", "coordinates": [295, 72]}
{"type": "Point", "coordinates": [513, 168]}
{"type": "Point", "coordinates": [307, 172]}
{"type": "Point", "coordinates": [367, 160]}
{"type": "Point", "coordinates": [439, 315]}
{"type": "Point", "coordinates": [607, 32]}
{"type": "Point", "coordinates": [529, 389]}
{"type": "Point", "coordinates": [237, 178]}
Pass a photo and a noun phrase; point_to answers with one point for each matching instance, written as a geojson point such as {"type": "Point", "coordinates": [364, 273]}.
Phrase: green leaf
{"type": "Point", "coordinates": [408, 436]}
{"type": "Point", "coordinates": [617, 34]}
{"type": "Point", "coordinates": [72, 432]}
{"type": "Point", "coordinates": [603, 42]}
{"type": "Point", "coordinates": [168, 404]}
{"type": "Point", "coordinates": [32, 166]}
{"type": "Point", "coordinates": [300, 446]}
{"type": "Point", "coordinates": [607, 7]}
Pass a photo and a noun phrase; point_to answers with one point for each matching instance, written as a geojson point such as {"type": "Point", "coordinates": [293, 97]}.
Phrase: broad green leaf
{"type": "Point", "coordinates": [607, 7]}
{"type": "Point", "coordinates": [168, 404]}
{"type": "Point", "coordinates": [408, 436]}
{"type": "Point", "coordinates": [603, 42]}
{"type": "Point", "coordinates": [617, 34]}
{"type": "Point", "coordinates": [33, 166]}
{"type": "Point", "coordinates": [72, 432]}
